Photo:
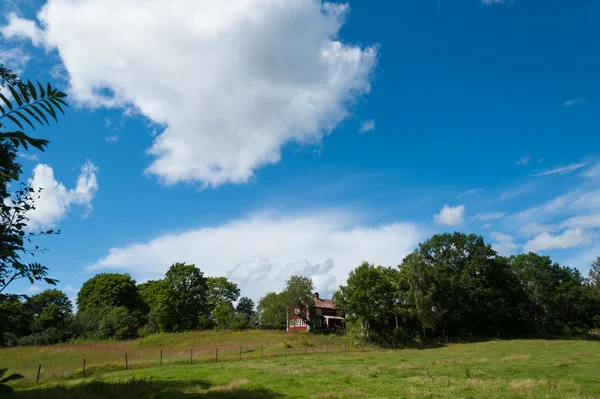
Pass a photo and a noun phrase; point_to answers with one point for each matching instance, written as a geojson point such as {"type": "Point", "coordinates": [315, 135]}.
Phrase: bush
{"type": "Point", "coordinates": [107, 323]}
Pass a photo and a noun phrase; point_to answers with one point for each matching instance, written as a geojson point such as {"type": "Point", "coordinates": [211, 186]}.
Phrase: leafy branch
{"type": "Point", "coordinates": [30, 105]}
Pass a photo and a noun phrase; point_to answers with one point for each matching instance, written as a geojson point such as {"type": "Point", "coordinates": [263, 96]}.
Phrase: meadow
{"type": "Point", "coordinates": [299, 365]}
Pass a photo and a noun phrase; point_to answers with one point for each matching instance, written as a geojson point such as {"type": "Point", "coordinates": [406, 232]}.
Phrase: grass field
{"type": "Point", "coordinates": [494, 369]}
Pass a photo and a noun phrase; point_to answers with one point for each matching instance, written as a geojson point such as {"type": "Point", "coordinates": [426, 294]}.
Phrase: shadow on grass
{"type": "Point", "coordinates": [141, 388]}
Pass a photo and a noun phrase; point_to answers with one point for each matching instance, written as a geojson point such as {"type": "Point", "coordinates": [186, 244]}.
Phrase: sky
{"type": "Point", "coordinates": [259, 139]}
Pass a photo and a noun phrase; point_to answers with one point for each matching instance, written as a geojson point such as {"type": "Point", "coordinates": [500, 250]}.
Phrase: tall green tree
{"type": "Point", "coordinates": [109, 290]}
{"type": "Point", "coordinates": [245, 306]}
{"type": "Point", "coordinates": [272, 311]}
{"type": "Point", "coordinates": [594, 276]}
{"type": "Point", "coordinates": [557, 301]}
{"type": "Point", "coordinates": [459, 284]}
{"type": "Point", "coordinates": [371, 293]}
{"type": "Point", "coordinates": [183, 299]}
{"type": "Point", "coordinates": [51, 309]}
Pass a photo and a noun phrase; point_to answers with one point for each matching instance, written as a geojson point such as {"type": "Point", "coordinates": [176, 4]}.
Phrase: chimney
{"type": "Point", "coordinates": [316, 295]}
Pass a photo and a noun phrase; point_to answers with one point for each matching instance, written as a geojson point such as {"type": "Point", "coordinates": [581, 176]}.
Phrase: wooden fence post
{"type": "Point", "coordinates": [326, 347]}
{"type": "Point", "coordinates": [191, 356]}
{"type": "Point", "coordinates": [262, 352]}
{"type": "Point", "coordinates": [83, 372]}
{"type": "Point", "coordinates": [126, 362]}
{"type": "Point", "coordinates": [240, 352]}
{"type": "Point", "coordinates": [37, 379]}
{"type": "Point", "coordinates": [161, 358]}
{"type": "Point", "coordinates": [217, 354]}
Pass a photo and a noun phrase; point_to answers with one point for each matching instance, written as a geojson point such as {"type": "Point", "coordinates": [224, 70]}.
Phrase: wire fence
{"type": "Point", "coordinates": [81, 363]}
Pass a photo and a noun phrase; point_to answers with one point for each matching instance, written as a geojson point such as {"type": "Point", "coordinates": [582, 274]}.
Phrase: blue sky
{"type": "Point", "coordinates": [261, 139]}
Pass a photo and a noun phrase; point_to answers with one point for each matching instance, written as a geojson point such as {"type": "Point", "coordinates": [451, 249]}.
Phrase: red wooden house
{"type": "Point", "coordinates": [322, 316]}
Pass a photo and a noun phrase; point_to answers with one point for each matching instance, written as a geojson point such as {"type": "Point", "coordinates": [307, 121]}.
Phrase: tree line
{"type": "Point", "coordinates": [452, 284]}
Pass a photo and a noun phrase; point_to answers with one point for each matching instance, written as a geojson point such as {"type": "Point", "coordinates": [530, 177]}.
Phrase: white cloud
{"type": "Point", "coordinates": [69, 288]}
{"type": "Point", "coordinates": [487, 226]}
{"type": "Point", "coordinates": [562, 170]}
{"type": "Point", "coordinates": [584, 222]}
{"type": "Point", "coordinates": [574, 101]}
{"type": "Point", "coordinates": [489, 216]}
{"type": "Point", "coordinates": [55, 200]}
{"type": "Point", "coordinates": [517, 191]}
{"type": "Point", "coordinates": [29, 157]}
{"type": "Point", "coordinates": [450, 216]}
{"type": "Point", "coordinates": [504, 244]}
{"type": "Point", "coordinates": [472, 191]}
{"type": "Point", "coordinates": [230, 82]}
{"type": "Point", "coordinates": [491, 2]}
{"type": "Point", "coordinates": [14, 58]}
{"type": "Point", "coordinates": [260, 252]}
{"type": "Point", "coordinates": [533, 228]}
{"type": "Point", "coordinates": [593, 171]}
{"type": "Point", "coordinates": [112, 139]}
{"type": "Point", "coordinates": [524, 161]}
{"type": "Point", "coordinates": [20, 28]}
{"type": "Point", "coordinates": [367, 125]}
{"type": "Point", "coordinates": [33, 288]}
{"type": "Point", "coordinates": [568, 239]}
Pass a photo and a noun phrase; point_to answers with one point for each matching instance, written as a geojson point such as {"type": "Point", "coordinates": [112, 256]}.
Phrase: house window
{"type": "Point", "coordinates": [318, 311]}
{"type": "Point", "coordinates": [302, 323]}
{"type": "Point", "coordinates": [318, 322]}
{"type": "Point", "coordinates": [297, 322]}
{"type": "Point", "coordinates": [292, 323]}
{"type": "Point", "coordinates": [297, 311]}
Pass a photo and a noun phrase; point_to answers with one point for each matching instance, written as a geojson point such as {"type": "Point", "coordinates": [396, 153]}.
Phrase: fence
{"type": "Point", "coordinates": [88, 360]}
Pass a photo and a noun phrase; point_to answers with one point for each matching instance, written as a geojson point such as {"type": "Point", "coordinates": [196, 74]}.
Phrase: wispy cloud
{"type": "Point", "coordinates": [484, 217]}
{"type": "Point", "coordinates": [517, 191]}
{"type": "Point", "coordinates": [568, 239]}
{"type": "Point", "coordinates": [524, 161]}
{"type": "Point", "coordinates": [504, 244]}
{"type": "Point", "coordinates": [472, 191]}
{"type": "Point", "coordinates": [33, 288]}
{"type": "Point", "coordinates": [112, 139]}
{"type": "Point", "coordinates": [574, 101]}
{"type": "Point", "coordinates": [585, 222]}
{"type": "Point", "coordinates": [30, 157]}
{"type": "Point", "coordinates": [562, 169]}
{"type": "Point", "coordinates": [592, 171]}
{"type": "Point", "coordinates": [368, 125]}
{"type": "Point", "coordinates": [492, 2]}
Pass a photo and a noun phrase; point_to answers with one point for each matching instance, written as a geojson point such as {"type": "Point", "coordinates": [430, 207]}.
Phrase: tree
{"type": "Point", "coordinates": [557, 301]}
{"type": "Point", "coordinates": [183, 299]}
{"type": "Point", "coordinates": [50, 308]}
{"type": "Point", "coordinates": [109, 290]}
{"type": "Point", "coordinates": [224, 315]}
{"type": "Point", "coordinates": [30, 105]}
{"type": "Point", "coordinates": [595, 276]}
{"type": "Point", "coordinates": [50, 297]}
{"type": "Point", "coordinates": [370, 293]}
{"type": "Point", "coordinates": [272, 311]}
{"type": "Point", "coordinates": [245, 306]}
{"type": "Point", "coordinates": [458, 284]}
{"type": "Point", "coordinates": [221, 289]}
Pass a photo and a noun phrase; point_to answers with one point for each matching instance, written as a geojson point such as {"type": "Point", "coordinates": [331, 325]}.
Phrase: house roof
{"type": "Point", "coordinates": [324, 303]}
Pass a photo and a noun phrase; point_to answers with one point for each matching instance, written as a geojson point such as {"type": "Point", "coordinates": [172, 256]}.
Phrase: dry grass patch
{"type": "Point", "coordinates": [232, 386]}
{"type": "Point", "coordinates": [484, 383]}
{"type": "Point", "coordinates": [473, 360]}
{"type": "Point", "coordinates": [347, 393]}
{"type": "Point", "coordinates": [515, 358]}
{"type": "Point", "coordinates": [527, 384]}
{"type": "Point", "coordinates": [564, 363]}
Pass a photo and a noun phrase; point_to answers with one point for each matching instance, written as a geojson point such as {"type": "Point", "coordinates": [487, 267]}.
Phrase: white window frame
{"type": "Point", "coordinates": [292, 323]}
{"type": "Point", "coordinates": [302, 323]}
{"type": "Point", "coordinates": [318, 322]}
{"type": "Point", "coordinates": [318, 311]}
{"type": "Point", "coordinates": [297, 322]}
{"type": "Point", "coordinates": [296, 311]}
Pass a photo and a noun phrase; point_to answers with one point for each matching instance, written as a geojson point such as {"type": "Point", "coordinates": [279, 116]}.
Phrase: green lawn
{"type": "Point", "coordinates": [495, 369]}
